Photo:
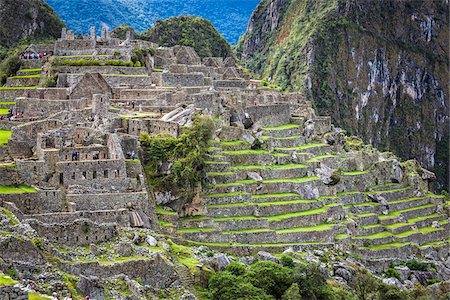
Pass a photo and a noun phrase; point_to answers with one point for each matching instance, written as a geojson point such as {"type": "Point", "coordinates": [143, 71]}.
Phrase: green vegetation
{"type": "Point", "coordinates": [120, 32]}
{"type": "Point", "coordinates": [30, 70]}
{"type": "Point", "coordinates": [4, 136]}
{"type": "Point", "coordinates": [25, 76]}
{"type": "Point", "coordinates": [139, 56]}
{"type": "Point", "coordinates": [12, 88]}
{"type": "Point", "coordinates": [162, 211]}
{"type": "Point", "coordinates": [7, 280]}
{"type": "Point", "coordinates": [92, 62]}
{"type": "Point", "coordinates": [282, 127]}
{"type": "Point", "coordinates": [320, 227]}
{"type": "Point", "coordinates": [191, 31]}
{"type": "Point", "coordinates": [4, 111]}
{"type": "Point", "coordinates": [188, 154]}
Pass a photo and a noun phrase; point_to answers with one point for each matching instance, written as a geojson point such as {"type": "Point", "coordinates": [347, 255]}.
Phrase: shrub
{"type": "Point", "coordinates": [287, 261]}
{"type": "Point", "coordinates": [391, 272]}
{"type": "Point", "coordinates": [417, 265]}
{"type": "Point", "coordinates": [137, 64]}
{"type": "Point", "coordinates": [187, 154]}
{"type": "Point", "coordinates": [273, 278]}
{"type": "Point", "coordinates": [236, 269]}
{"type": "Point", "coordinates": [225, 286]}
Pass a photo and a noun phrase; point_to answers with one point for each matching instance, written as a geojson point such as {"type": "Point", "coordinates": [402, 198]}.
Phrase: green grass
{"type": "Point", "coordinates": [139, 115]}
{"type": "Point", "coordinates": [378, 235]}
{"type": "Point", "coordinates": [7, 165]}
{"type": "Point", "coordinates": [310, 212]}
{"type": "Point", "coordinates": [241, 218]}
{"type": "Point", "coordinates": [386, 246]}
{"type": "Point", "coordinates": [239, 182]}
{"type": "Point", "coordinates": [266, 245]}
{"type": "Point", "coordinates": [125, 75]}
{"type": "Point", "coordinates": [423, 230]}
{"type": "Point", "coordinates": [4, 111]}
{"type": "Point", "coordinates": [320, 227]}
{"type": "Point", "coordinates": [12, 218]}
{"type": "Point", "coordinates": [225, 205]}
{"type": "Point", "coordinates": [7, 103]}
{"type": "Point", "coordinates": [25, 76]}
{"type": "Point", "coordinates": [184, 255]}
{"type": "Point", "coordinates": [245, 152]}
{"type": "Point", "coordinates": [396, 214]}
{"type": "Point", "coordinates": [341, 236]}
{"type": "Point", "coordinates": [282, 127]}
{"type": "Point", "coordinates": [37, 296]}
{"type": "Point", "coordinates": [291, 180]}
{"type": "Point", "coordinates": [6, 280]}
{"type": "Point", "coordinates": [277, 195]}
{"type": "Point", "coordinates": [303, 147]}
{"type": "Point", "coordinates": [21, 189]}
{"type": "Point", "coordinates": [194, 230]}
{"type": "Point", "coordinates": [253, 230]}
{"type": "Point", "coordinates": [165, 223]}
{"type": "Point", "coordinates": [366, 215]}
{"type": "Point", "coordinates": [29, 70]}
{"type": "Point", "coordinates": [390, 191]}
{"type": "Point", "coordinates": [162, 211]}
{"type": "Point", "coordinates": [355, 172]}
{"type": "Point", "coordinates": [287, 202]}
{"type": "Point", "coordinates": [13, 88]}
{"type": "Point", "coordinates": [233, 143]}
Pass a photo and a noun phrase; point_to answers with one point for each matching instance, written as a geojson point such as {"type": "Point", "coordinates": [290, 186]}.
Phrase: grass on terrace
{"type": "Point", "coordinates": [303, 147]}
{"type": "Point", "coordinates": [162, 211]}
{"type": "Point", "coordinates": [21, 189]}
{"type": "Point", "coordinates": [29, 70]}
{"type": "Point", "coordinates": [262, 204]}
{"type": "Point", "coordinates": [4, 136]}
{"type": "Point", "coordinates": [7, 102]}
{"type": "Point", "coordinates": [13, 88]}
{"type": "Point", "coordinates": [225, 194]}
{"type": "Point", "coordinates": [6, 280]}
{"type": "Point", "coordinates": [320, 227]}
{"type": "Point", "coordinates": [253, 230]}
{"type": "Point", "coordinates": [277, 195]}
{"type": "Point", "coordinates": [385, 246]}
{"type": "Point", "coordinates": [269, 167]}
{"type": "Point", "coordinates": [37, 296]}
{"type": "Point", "coordinates": [4, 111]}
{"type": "Point", "coordinates": [396, 213]}
{"type": "Point", "coordinates": [234, 143]}
{"type": "Point", "coordinates": [25, 76]}
{"type": "Point", "coordinates": [282, 127]}
{"type": "Point", "coordinates": [255, 245]}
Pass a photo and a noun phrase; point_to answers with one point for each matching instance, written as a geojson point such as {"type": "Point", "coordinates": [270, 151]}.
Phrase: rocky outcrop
{"type": "Point", "coordinates": [27, 18]}
{"type": "Point", "coordinates": [379, 68]}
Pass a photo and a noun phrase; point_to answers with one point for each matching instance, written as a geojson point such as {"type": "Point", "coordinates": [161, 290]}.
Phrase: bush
{"type": "Point", "coordinates": [187, 154]}
{"type": "Point", "coordinates": [417, 265]}
{"type": "Point", "coordinates": [226, 286]}
{"type": "Point", "coordinates": [3, 78]}
{"type": "Point", "coordinates": [140, 55]}
{"type": "Point", "coordinates": [236, 269]}
{"type": "Point", "coordinates": [137, 64]}
{"type": "Point", "coordinates": [287, 261]}
{"type": "Point", "coordinates": [271, 277]}
{"type": "Point", "coordinates": [391, 272]}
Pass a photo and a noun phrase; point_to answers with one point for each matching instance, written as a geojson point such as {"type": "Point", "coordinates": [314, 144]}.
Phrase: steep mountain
{"type": "Point", "coordinates": [190, 31]}
{"type": "Point", "coordinates": [379, 68]}
{"type": "Point", "coordinates": [27, 18]}
{"type": "Point", "coordinates": [230, 17]}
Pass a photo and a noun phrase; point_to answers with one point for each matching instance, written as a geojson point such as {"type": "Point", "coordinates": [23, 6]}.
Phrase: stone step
{"type": "Point", "coordinates": [235, 145]}
{"type": "Point", "coordinates": [283, 130]}
{"type": "Point", "coordinates": [418, 222]}
{"type": "Point", "coordinates": [217, 166]}
{"type": "Point", "coordinates": [407, 203]}
{"type": "Point", "coordinates": [255, 157]}
{"type": "Point", "coordinates": [385, 187]}
{"type": "Point", "coordinates": [274, 171]}
{"type": "Point", "coordinates": [408, 213]}
{"type": "Point", "coordinates": [221, 177]}
{"type": "Point", "coordinates": [261, 209]}
{"type": "Point", "coordinates": [395, 194]}
{"type": "Point", "coordinates": [227, 198]}
{"type": "Point", "coordinates": [315, 149]}
{"type": "Point", "coordinates": [288, 142]}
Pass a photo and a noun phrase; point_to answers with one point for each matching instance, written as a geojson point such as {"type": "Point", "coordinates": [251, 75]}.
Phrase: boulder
{"type": "Point", "coordinates": [328, 175]}
{"type": "Point", "coordinates": [404, 272]}
{"type": "Point", "coordinates": [343, 273]}
{"type": "Point", "coordinates": [254, 176]}
{"type": "Point", "coordinates": [151, 241]}
{"type": "Point", "coordinates": [394, 281]}
{"type": "Point", "coordinates": [263, 255]}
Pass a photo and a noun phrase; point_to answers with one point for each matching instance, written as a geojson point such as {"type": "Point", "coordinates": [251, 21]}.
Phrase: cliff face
{"type": "Point", "coordinates": [27, 18]}
{"type": "Point", "coordinates": [379, 68]}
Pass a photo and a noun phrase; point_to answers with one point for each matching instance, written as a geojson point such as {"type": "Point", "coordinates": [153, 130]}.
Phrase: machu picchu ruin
{"type": "Point", "coordinates": [81, 213]}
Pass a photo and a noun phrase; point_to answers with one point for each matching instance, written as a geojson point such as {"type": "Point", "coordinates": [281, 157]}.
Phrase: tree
{"type": "Point", "coordinates": [273, 278]}
{"type": "Point", "coordinates": [226, 286]}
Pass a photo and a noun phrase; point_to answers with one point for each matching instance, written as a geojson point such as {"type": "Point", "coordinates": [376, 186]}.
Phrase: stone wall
{"type": "Point", "coordinates": [179, 79]}
{"type": "Point", "coordinates": [269, 115]}
{"type": "Point", "coordinates": [80, 232]}
{"type": "Point", "coordinates": [8, 292]}
{"type": "Point", "coordinates": [74, 47]}
{"type": "Point", "coordinates": [34, 107]}
{"type": "Point", "coordinates": [102, 70]}
{"type": "Point", "coordinates": [111, 201]}
{"type": "Point", "coordinates": [230, 84]}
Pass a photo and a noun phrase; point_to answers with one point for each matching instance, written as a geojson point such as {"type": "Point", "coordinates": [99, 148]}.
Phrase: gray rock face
{"type": "Point", "coordinates": [263, 255]}
{"type": "Point", "coordinates": [218, 262]}
{"type": "Point", "coordinates": [328, 175]}
{"type": "Point", "coordinates": [187, 296]}
{"type": "Point", "coordinates": [394, 281]}
{"type": "Point", "coordinates": [151, 241]}
{"type": "Point", "coordinates": [404, 272]}
{"type": "Point", "coordinates": [254, 176]}
{"type": "Point", "coordinates": [309, 192]}
{"type": "Point", "coordinates": [343, 273]}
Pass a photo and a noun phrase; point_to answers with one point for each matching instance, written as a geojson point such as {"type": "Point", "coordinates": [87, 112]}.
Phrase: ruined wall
{"type": "Point", "coordinates": [33, 106]}
{"type": "Point", "coordinates": [269, 115]}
